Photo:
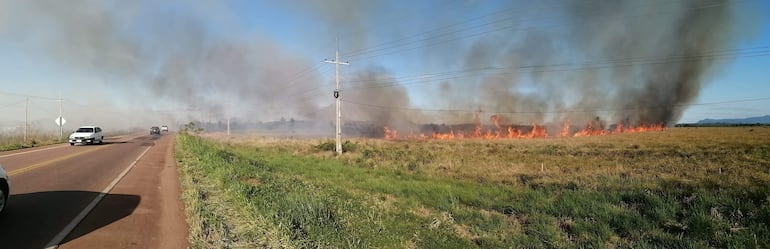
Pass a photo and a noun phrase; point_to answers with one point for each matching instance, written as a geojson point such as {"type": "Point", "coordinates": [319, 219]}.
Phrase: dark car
{"type": "Point", "coordinates": [154, 130]}
{"type": "Point", "coordinates": [5, 189]}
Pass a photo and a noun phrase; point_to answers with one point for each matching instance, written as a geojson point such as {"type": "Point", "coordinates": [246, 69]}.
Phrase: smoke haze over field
{"type": "Point", "coordinates": [627, 61]}
{"type": "Point", "coordinates": [528, 61]}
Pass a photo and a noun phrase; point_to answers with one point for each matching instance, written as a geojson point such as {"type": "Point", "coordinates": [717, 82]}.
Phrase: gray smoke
{"type": "Point", "coordinates": [169, 59]}
{"type": "Point", "coordinates": [623, 60]}
{"type": "Point", "coordinates": [677, 37]}
{"type": "Point", "coordinates": [626, 61]}
{"type": "Point", "coordinates": [374, 104]}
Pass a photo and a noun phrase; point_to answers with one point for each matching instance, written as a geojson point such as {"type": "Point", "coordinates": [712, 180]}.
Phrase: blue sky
{"type": "Point", "coordinates": [743, 78]}
{"type": "Point", "coordinates": [420, 61]}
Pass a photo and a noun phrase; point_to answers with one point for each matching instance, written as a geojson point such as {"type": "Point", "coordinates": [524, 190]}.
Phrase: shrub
{"type": "Point", "coordinates": [330, 145]}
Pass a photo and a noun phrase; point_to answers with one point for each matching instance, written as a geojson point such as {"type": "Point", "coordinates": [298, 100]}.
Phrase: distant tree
{"type": "Point", "coordinates": [190, 127]}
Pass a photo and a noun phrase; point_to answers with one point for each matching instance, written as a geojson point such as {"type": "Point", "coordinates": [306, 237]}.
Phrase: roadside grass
{"type": "Point", "coordinates": [17, 142]}
{"type": "Point", "coordinates": [680, 188]}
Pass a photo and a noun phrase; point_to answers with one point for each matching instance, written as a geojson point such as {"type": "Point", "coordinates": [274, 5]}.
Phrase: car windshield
{"type": "Point", "coordinates": [85, 129]}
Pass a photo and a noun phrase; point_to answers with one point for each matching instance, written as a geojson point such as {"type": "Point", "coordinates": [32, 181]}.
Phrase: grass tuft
{"type": "Point", "coordinates": [681, 188]}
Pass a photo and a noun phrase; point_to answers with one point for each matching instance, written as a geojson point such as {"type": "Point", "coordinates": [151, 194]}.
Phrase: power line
{"type": "Point", "coordinates": [574, 67]}
{"type": "Point", "coordinates": [725, 54]}
{"type": "Point", "coordinates": [557, 112]}
{"type": "Point", "coordinates": [387, 45]}
{"type": "Point", "coordinates": [294, 80]}
{"type": "Point", "coordinates": [591, 65]}
{"type": "Point", "coordinates": [47, 111]}
{"type": "Point", "coordinates": [623, 62]}
{"type": "Point", "coordinates": [13, 104]}
{"type": "Point", "coordinates": [316, 88]}
{"type": "Point", "coordinates": [27, 95]}
{"type": "Point", "coordinates": [616, 63]}
{"type": "Point", "coordinates": [395, 43]}
{"type": "Point", "coordinates": [532, 68]}
{"type": "Point", "coordinates": [484, 32]}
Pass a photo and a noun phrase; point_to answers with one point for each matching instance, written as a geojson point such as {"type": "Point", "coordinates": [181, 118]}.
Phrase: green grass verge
{"type": "Point", "coordinates": [15, 143]}
{"type": "Point", "coordinates": [384, 196]}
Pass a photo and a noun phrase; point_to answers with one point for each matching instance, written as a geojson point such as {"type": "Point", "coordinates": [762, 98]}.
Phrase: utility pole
{"type": "Point", "coordinates": [26, 119]}
{"type": "Point", "coordinates": [61, 123]}
{"type": "Point", "coordinates": [227, 116]}
{"type": "Point", "coordinates": [337, 64]}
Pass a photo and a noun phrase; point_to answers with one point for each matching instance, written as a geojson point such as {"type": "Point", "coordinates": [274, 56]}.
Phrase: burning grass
{"type": "Point", "coordinates": [682, 187]}
{"type": "Point", "coordinates": [496, 129]}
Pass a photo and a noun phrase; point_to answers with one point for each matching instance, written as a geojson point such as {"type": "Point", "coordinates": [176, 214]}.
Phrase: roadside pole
{"type": "Point", "coordinates": [338, 132]}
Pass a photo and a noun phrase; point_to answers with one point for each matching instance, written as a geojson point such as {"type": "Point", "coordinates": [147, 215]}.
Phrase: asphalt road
{"type": "Point", "coordinates": [122, 194]}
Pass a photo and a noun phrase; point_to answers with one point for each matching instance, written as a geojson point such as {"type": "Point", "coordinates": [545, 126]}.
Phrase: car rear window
{"type": "Point", "coordinates": [85, 130]}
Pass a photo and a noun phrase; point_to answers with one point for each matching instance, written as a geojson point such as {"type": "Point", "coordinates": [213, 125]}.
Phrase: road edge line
{"type": "Point", "coordinates": [49, 162]}
{"type": "Point", "coordinates": [33, 150]}
{"type": "Point", "coordinates": [54, 243]}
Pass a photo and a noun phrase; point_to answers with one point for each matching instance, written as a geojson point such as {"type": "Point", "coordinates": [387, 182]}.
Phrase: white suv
{"type": "Point", "coordinates": [87, 135]}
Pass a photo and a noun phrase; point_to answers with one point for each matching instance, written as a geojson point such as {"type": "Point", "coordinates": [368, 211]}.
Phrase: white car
{"type": "Point", "coordinates": [164, 128]}
{"type": "Point", "coordinates": [5, 188]}
{"type": "Point", "coordinates": [87, 135]}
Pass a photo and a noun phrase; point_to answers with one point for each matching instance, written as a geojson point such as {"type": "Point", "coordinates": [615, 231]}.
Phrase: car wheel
{"type": "Point", "coordinates": [101, 140]}
{"type": "Point", "coordinates": [3, 198]}
{"type": "Point", "coordinates": [72, 144]}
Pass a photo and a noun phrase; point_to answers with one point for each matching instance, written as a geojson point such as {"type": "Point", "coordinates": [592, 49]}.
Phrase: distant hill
{"type": "Point", "coordinates": [753, 120]}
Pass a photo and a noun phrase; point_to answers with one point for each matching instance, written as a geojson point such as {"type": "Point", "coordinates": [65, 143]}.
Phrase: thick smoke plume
{"type": "Point", "coordinates": [184, 61]}
{"type": "Point", "coordinates": [636, 62]}
{"type": "Point", "coordinates": [624, 61]}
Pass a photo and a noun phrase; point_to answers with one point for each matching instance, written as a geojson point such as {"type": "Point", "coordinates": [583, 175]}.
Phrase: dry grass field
{"type": "Point", "coordinates": [677, 188]}
{"type": "Point", "coordinates": [15, 142]}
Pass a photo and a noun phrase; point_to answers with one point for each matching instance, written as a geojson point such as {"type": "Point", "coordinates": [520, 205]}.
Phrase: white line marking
{"type": "Point", "coordinates": [65, 145]}
{"type": "Point", "coordinates": [54, 243]}
{"type": "Point", "coordinates": [31, 151]}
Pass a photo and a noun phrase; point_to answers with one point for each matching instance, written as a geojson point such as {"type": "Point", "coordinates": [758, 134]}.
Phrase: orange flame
{"type": "Point", "coordinates": [592, 128]}
{"type": "Point", "coordinates": [538, 131]}
{"type": "Point", "coordinates": [495, 120]}
{"type": "Point", "coordinates": [644, 128]}
{"type": "Point", "coordinates": [564, 129]}
{"type": "Point", "coordinates": [390, 134]}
